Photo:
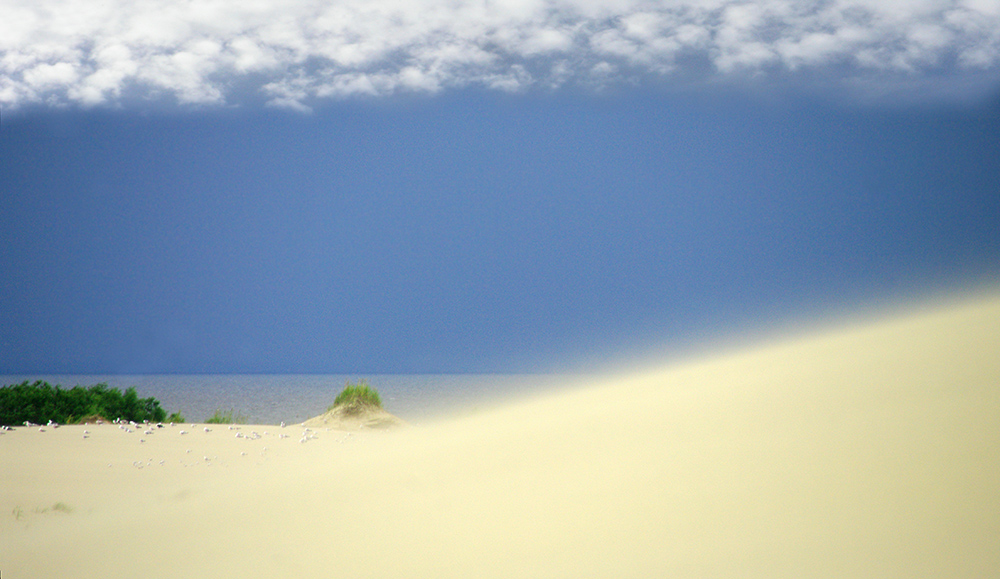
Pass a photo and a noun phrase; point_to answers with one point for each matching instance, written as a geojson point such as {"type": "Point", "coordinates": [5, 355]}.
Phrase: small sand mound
{"type": "Point", "coordinates": [354, 416]}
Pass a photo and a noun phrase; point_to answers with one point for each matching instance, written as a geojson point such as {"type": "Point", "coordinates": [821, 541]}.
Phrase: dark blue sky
{"type": "Point", "coordinates": [471, 231]}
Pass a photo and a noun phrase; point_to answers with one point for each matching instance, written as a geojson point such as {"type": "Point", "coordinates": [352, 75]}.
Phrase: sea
{"type": "Point", "coordinates": [293, 398]}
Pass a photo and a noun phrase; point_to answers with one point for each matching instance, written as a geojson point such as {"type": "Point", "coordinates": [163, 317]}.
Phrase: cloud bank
{"type": "Point", "coordinates": [294, 53]}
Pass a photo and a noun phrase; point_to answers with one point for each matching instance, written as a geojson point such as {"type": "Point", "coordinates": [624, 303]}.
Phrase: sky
{"type": "Point", "coordinates": [514, 186]}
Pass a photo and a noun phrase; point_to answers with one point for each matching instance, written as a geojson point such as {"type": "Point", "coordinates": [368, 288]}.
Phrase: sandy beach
{"type": "Point", "coordinates": [871, 450]}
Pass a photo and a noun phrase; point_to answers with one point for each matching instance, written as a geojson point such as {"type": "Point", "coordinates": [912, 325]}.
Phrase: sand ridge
{"type": "Point", "coordinates": [351, 419]}
{"type": "Point", "coordinates": [868, 451]}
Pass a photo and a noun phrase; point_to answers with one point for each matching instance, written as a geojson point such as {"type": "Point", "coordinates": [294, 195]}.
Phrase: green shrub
{"type": "Point", "coordinates": [175, 417]}
{"type": "Point", "coordinates": [40, 402]}
{"type": "Point", "coordinates": [226, 417]}
{"type": "Point", "coordinates": [356, 397]}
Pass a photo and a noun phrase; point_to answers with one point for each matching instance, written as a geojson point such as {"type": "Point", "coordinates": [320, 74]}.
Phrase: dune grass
{"type": "Point", "coordinates": [356, 397]}
{"type": "Point", "coordinates": [59, 507]}
{"type": "Point", "coordinates": [226, 417]}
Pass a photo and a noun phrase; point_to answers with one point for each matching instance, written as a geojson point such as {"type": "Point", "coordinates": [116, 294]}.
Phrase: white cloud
{"type": "Point", "coordinates": [45, 76]}
{"type": "Point", "coordinates": [291, 53]}
{"type": "Point", "coordinates": [547, 40]}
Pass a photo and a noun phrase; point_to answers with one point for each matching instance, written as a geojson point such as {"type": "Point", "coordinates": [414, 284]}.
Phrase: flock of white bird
{"type": "Point", "coordinates": [148, 429]}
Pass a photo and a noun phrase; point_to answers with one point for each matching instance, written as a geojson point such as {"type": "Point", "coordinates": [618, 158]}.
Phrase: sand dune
{"type": "Point", "coordinates": [869, 451]}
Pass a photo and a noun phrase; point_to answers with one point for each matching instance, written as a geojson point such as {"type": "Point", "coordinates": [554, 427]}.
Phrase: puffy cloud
{"type": "Point", "coordinates": [45, 75]}
{"type": "Point", "coordinates": [293, 53]}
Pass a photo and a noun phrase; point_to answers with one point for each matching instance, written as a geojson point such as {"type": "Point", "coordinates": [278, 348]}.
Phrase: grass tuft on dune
{"type": "Point", "coordinates": [356, 398]}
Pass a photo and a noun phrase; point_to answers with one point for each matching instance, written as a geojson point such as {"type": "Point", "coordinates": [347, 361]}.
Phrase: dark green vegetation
{"type": "Point", "coordinates": [226, 417]}
{"type": "Point", "coordinates": [41, 402]}
{"type": "Point", "coordinates": [356, 397]}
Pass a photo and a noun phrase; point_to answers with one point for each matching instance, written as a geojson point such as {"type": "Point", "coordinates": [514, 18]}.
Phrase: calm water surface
{"type": "Point", "coordinates": [273, 398]}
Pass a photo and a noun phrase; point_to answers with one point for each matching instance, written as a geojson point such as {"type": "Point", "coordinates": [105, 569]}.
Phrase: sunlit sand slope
{"type": "Point", "coordinates": [870, 452]}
